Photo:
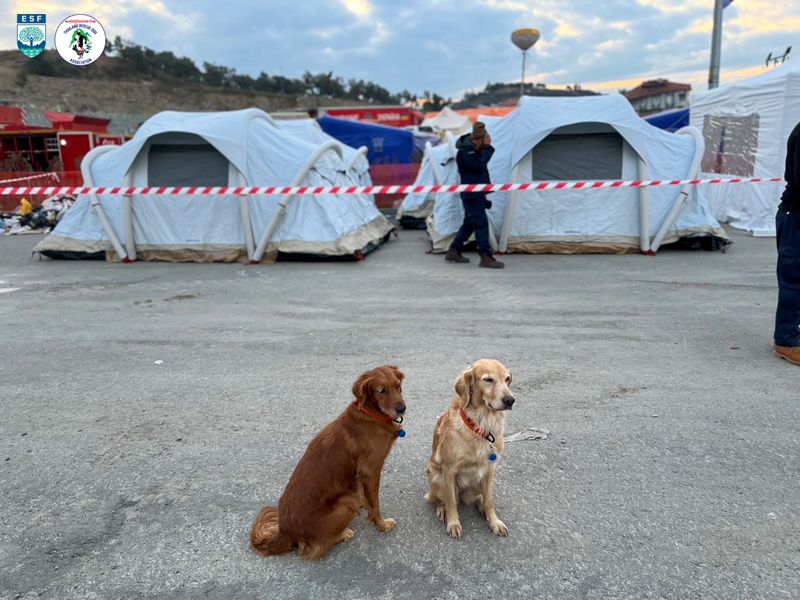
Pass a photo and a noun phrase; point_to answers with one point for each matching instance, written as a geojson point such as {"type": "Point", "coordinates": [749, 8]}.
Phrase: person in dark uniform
{"type": "Point", "coordinates": [787, 230]}
{"type": "Point", "coordinates": [474, 152]}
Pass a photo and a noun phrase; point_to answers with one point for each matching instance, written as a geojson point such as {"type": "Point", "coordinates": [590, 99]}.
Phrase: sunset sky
{"type": "Point", "coordinates": [447, 46]}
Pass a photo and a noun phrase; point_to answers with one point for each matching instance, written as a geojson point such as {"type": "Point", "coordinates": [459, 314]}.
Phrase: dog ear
{"type": "Point", "coordinates": [464, 387]}
{"type": "Point", "coordinates": [361, 389]}
{"type": "Point", "coordinates": [397, 372]}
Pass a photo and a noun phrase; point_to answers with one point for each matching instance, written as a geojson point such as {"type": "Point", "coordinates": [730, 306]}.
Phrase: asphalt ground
{"type": "Point", "coordinates": [148, 411]}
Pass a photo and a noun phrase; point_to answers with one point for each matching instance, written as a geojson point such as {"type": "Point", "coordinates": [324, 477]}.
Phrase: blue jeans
{"type": "Point", "coordinates": [475, 220]}
{"type": "Point", "coordinates": [787, 317]}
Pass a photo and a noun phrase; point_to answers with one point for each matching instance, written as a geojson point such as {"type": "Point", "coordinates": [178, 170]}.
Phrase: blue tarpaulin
{"type": "Point", "coordinates": [385, 145]}
{"type": "Point", "coordinates": [670, 120]}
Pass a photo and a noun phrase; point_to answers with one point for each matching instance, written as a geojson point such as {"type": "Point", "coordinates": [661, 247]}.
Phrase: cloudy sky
{"type": "Point", "coordinates": [447, 46]}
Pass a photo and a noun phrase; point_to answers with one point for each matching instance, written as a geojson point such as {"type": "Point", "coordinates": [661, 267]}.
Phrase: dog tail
{"type": "Point", "coordinates": [266, 537]}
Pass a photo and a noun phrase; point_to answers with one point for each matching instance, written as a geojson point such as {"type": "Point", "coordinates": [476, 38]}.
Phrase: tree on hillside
{"type": "Point", "coordinates": [433, 102]}
{"type": "Point", "coordinates": [32, 34]}
{"type": "Point", "coordinates": [131, 61]}
{"type": "Point", "coordinates": [180, 67]}
{"type": "Point", "coordinates": [217, 75]}
{"type": "Point", "coordinates": [326, 83]}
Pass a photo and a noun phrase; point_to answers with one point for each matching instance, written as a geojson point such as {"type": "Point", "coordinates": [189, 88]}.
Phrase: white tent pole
{"type": "Point", "coordinates": [509, 212]}
{"type": "Point", "coordinates": [672, 216]}
{"type": "Point", "coordinates": [361, 150]}
{"type": "Point", "coordinates": [247, 226]}
{"type": "Point", "coordinates": [644, 207]}
{"type": "Point", "coordinates": [451, 141]}
{"type": "Point", "coordinates": [244, 211]}
{"type": "Point", "coordinates": [127, 219]}
{"type": "Point", "coordinates": [428, 155]}
{"type": "Point", "coordinates": [281, 208]}
{"type": "Point", "coordinates": [96, 206]}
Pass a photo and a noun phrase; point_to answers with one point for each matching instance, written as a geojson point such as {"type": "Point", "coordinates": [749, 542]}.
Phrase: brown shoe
{"type": "Point", "coordinates": [788, 353]}
{"type": "Point", "coordinates": [488, 262]}
{"type": "Point", "coordinates": [454, 256]}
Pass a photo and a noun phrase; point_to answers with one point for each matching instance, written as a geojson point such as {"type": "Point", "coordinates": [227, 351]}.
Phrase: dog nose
{"type": "Point", "coordinates": [400, 408]}
{"type": "Point", "coordinates": [509, 401]}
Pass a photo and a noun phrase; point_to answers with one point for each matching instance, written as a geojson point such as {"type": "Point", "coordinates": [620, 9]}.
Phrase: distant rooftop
{"type": "Point", "coordinates": [655, 87]}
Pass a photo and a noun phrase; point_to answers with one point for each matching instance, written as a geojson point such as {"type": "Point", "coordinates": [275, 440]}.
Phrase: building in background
{"type": "Point", "coordinates": [59, 147]}
{"type": "Point", "coordinates": [658, 95]}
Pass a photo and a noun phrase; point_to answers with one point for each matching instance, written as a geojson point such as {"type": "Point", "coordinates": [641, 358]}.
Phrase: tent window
{"type": "Point", "coordinates": [731, 144]}
{"type": "Point", "coordinates": [578, 156]}
{"type": "Point", "coordinates": [185, 165]}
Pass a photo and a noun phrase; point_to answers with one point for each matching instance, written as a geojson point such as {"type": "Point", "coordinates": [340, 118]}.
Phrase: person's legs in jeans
{"type": "Point", "coordinates": [481, 222]}
{"type": "Point", "coordinates": [463, 234]}
{"type": "Point", "coordinates": [787, 315]}
{"type": "Point", "coordinates": [468, 226]}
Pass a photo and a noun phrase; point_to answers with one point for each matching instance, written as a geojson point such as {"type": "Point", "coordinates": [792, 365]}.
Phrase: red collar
{"type": "Point", "coordinates": [473, 426]}
{"type": "Point", "coordinates": [376, 416]}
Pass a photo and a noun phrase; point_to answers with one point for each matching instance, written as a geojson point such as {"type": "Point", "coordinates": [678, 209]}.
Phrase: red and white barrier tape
{"type": "Point", "coordinates": [369, 189]}
{"type": "Point", "coordinates": [16, 179]}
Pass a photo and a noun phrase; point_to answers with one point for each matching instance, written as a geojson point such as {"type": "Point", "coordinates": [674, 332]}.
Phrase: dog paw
{"type": "Point", "coordinates": [454, 529]}
{"type": "Point", "coordinates": [441, 513]}
{"type": "Point", "coordinates": [346, 535]}
{"type": "Point", "coordinates": [385, 524]}
{"type": "Point", "coordinates": [499, 528]}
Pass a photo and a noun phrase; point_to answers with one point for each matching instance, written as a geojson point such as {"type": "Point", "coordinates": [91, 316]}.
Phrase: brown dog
{"type": "Point", "coordinates": [340, 472]}
{"type": "Point", "coordinates": [467, 440]}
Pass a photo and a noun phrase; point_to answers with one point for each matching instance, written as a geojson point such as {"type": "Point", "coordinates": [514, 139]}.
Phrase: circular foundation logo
{"type": "Point", "coordinates": [80, 39]}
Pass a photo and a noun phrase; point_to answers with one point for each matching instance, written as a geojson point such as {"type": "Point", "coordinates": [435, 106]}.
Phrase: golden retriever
{"type": "Point", "coordinates": [466, 442]}
{"type": "Point", "coordinates": [339, 473]}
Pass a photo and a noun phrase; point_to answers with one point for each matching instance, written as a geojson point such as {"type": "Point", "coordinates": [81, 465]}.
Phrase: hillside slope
{"type": "Point", "coordinates": [98, 91]}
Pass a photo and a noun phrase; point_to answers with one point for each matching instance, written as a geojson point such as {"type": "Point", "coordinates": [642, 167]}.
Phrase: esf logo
{"type": "Point", "coordinates": [31, 34]}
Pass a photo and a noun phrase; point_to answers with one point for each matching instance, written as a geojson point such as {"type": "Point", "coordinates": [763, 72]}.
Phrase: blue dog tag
{"type": "Point", "coordinates": [401, 433]}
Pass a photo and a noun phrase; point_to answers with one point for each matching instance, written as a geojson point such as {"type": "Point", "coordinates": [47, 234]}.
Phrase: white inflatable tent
{"type": "Point", "coordinates": [237, 148]}
{"type": "Point", "coordinates": [438, 167]}
{"type": "Point", "coordinates": [745, 126]}
{"type": "Point", "coordinates": [586, 138]}
{"type": "Point", "coordinates": [448, 121]}
{"type": "Point", "coordinates": [308, 130]}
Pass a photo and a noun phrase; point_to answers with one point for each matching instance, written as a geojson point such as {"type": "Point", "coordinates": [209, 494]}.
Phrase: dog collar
{"type": "Point", "coordinates": [473, 426]}
{"type": "Point", "coordinates": [382, 418]}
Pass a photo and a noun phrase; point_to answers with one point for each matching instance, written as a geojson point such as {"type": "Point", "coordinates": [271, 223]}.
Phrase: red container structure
{"type": "Point", "coordinates": [60, 147]}
{"type": "Point", "coordinates": [28, 150]}
{"type": "Point", "coordinates": [393, 116]}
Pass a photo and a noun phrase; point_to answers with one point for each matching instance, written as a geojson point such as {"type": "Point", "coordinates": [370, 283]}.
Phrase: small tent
{"type": "Point", "coordinates": [745, 126]}
{"type": "Point", "coordinates": [586, 138]}
{"type": "Point", "coordinates": [438, 167]}
{"type": "Point", "coordinates": [448, 120]}
{"type": "Point", "coordinates": [237, 148]}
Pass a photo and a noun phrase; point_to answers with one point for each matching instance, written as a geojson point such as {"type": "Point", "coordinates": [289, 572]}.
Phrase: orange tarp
{"type": "Point", "coordinates": [473, 113]}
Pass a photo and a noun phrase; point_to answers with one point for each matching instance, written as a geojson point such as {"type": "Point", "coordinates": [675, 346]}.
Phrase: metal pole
{"type": "Point", "coordinates": [716, 45]}
{"type": "Point", "coordinates": [522, 83]}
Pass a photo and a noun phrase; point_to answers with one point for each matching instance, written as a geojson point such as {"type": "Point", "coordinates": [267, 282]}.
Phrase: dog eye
{"type": "Point", "coordinates": [380, 390]}
{"type": "Point", "coordinates": [508, 379]}
{"type": "Point", "coordinates": [489, 380]}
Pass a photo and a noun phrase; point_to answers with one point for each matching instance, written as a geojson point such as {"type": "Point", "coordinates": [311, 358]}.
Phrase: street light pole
{"type": "Point", "coordinates": [716, 46]}
{"type": "Point", "coordinates": [522, 82]}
